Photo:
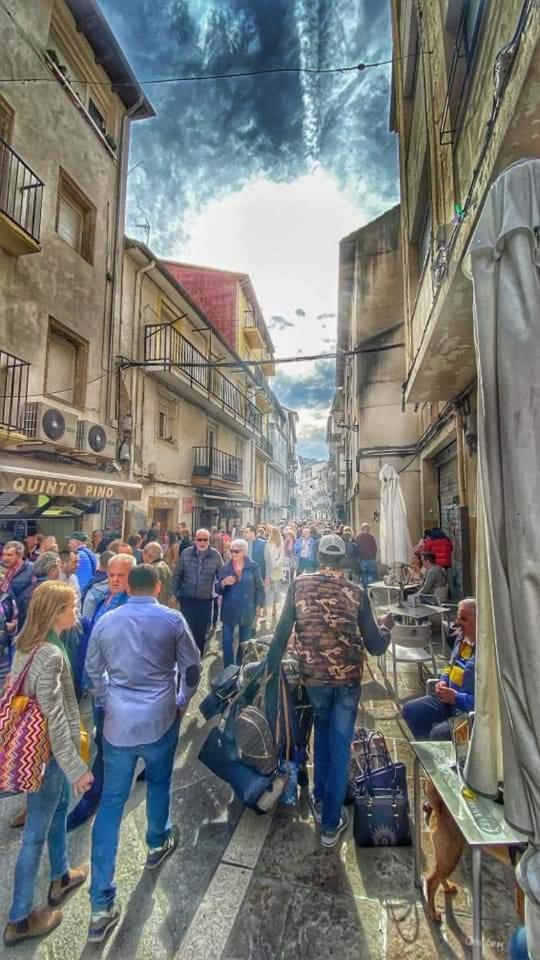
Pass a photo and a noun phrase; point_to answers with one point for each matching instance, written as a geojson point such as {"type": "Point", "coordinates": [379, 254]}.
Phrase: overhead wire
{"type": "Point", "coordinates": [263, 71]}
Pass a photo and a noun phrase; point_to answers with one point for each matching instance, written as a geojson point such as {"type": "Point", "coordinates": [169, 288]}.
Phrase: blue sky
{"type": "Point", "coordinates": [264, 174]}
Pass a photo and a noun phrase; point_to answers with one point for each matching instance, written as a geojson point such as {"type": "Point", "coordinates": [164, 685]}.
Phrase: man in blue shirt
{"type": "Point", "coordinates": [79, 543]}
{"type": "Point", "coordinates": [257, 549]}
{"type": "Point", "coordinates": [135, 657]}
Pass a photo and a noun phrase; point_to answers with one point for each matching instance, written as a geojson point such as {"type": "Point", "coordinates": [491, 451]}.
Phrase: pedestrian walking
{"type": "Point", "coordinates": [69, 565]}
{"type": "Point", "coordinates": [79, 542]}
{"type": "Point", "coordinates": [153, 554]}
{"type": "Point", "coordinates": [172, 550]}
{"type": "Point", "coordinates": [257, 550]}
{"type": "Point", "coordinates": [193, 584]}
{"type": "Point", "coordinates": [134, 542]}
{"type": "Point", "coordinates": [16, 572]}
{"type": "Point", "coordinates": [98, 587]}
{"type": "Point", "coordinates": [46, 567]}
{"type": "Point", "coordinates": [47, 677]}
{"type": "Point", "coordinates": [333, 623]}
{"type": "Point", "coordinates": [305, 552]}
{"type": "Point", "coordinates": [351, 561]}
{"type": "Point", "coordinates": [134, 661]}
{"type": "Point", "coordinates": [367, 555]}
{"type": "Point", "coordinates": [274, 570]}
{"type": "Point", "coordinates": [116, 596]}
{"type": "Point", "coordinates": [242, 588]}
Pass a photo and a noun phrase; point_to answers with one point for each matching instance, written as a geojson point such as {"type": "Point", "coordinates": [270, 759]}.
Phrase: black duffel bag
{"type": "Point", "coordinates": [381, 799]}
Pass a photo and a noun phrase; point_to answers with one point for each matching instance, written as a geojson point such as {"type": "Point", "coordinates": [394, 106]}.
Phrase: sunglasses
{"type": "Point", "coordinates": [202, 539]}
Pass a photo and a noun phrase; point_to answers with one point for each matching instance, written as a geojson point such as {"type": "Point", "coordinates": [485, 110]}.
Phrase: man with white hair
{"type": "Point", "coordinates": [367, 555]}
{"type": "Point", "coordinates": [153, 554]}
{"type": "Point", "coordinates": [428, 717]}
{"type": "Point", "coordinates": [193, 584]}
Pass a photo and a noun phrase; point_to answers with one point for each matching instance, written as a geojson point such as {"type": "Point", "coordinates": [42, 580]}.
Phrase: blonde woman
{"type": "Point", "coordinates": [274, 568]}
{"type": "Point", "coordinates": [51, 610]}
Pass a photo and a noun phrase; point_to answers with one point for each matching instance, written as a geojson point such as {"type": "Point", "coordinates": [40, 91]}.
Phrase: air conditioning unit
{"type": "Point", "coordinates": [49, 424]}
{"type": "Point", "coordinates": [95, 439]}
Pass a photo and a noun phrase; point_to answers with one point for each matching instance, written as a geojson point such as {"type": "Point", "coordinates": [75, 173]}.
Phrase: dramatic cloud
{"type": "Point", "coordinates": [209, 138]}
{"type": "Point", "coordinates": [217, 140]}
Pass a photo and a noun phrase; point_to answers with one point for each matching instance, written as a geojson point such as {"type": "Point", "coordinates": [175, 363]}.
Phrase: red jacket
{"type": "Point", "coordinates": [443, 548]}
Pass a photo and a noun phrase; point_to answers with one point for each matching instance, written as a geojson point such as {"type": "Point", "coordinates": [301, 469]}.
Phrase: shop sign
{"type": "Point", "coordinates": [53, 486]}
{"type": "Point", "coordinates": [187, 504]}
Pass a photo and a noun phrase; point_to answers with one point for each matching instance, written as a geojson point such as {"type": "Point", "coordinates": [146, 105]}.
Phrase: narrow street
{"type": "Point", "coordinates": [248, 887]}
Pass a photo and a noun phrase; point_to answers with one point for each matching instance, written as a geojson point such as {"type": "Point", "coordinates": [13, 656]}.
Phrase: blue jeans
{"type": "Point", "coordinates": [46, 815]}
{"type": "Point", "coordinates": [368, 572]}
{"type": "Point", "coordinates": [120, 763]}
{"type": "Point", "coordinates": [244, 633]}
{"type": "Point", "coordinates": [334, 712]}
{"type": "Point", "coordinates": [427, 718]}
{"type": "Point", "coordinates": [517, 948]}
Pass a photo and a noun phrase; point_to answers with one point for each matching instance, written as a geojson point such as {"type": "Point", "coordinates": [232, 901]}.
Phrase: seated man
{"type": "Point", "coordinates": [434, 576]}
{"type": "Point", "coordinates": [427, 717]}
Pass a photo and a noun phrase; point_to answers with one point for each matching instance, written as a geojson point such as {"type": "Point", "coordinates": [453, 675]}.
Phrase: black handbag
{"type": "Point", "coordinates": [381, 799]}
{"type": "Point", "coordinates": [381, 818]}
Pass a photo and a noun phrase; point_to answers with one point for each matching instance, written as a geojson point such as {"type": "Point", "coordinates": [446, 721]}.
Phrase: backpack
{"type": "Point", "coordinates": [255, 740]}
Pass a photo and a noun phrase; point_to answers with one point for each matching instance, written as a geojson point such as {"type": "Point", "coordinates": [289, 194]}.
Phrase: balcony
{"type": "Point", "coordinates": [183, 369]}
{"type": "Point", "coordinates": [13, 395]}
{"type": "Point", "coordinates": [264, 397]}
{"type": "Point", "coordinates": [253, 334]}
{"type": "Point", "coordinates": [269, 367]}
{"type": "Point", "coordinates": [265, 446]}
{"type": "Point", "coordinates": [211, 464]}
{"type": "Point", "coordinates": [21, 192]}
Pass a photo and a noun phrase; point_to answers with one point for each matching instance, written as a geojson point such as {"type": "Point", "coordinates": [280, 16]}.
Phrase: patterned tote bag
{"type": "Point", "coordinates": [25, 747]}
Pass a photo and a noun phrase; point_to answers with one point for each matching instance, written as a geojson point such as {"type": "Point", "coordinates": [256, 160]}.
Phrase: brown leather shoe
{"type": "Point", "coordinates": [19, 819]}
{"type": "Point", "coordinates": [59, 889]}
{"type": "Point", "coordinates": [38, 924]}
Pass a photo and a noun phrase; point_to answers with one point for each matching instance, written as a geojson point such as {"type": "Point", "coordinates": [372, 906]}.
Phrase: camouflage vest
{"type": "Point", "coordinates": [328, 640]}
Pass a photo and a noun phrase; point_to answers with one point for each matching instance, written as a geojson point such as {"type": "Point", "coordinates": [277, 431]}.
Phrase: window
{"type": "Point", "coordinates": [75, 218]}
{"type": "Point", "coordinates": [66, 365]}
{"type": "Point", "coordinates": [95, 113]}
{"type": "Point", "coordinates": [239, 449]}
{"type": "Point", "coordinates": [166, 419]}
{"type": "Point", "coordinates": [461, 43]}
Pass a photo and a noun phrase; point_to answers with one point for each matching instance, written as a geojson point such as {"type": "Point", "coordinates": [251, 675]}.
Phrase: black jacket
{"type": "Point", "coordinates": [193, 580]}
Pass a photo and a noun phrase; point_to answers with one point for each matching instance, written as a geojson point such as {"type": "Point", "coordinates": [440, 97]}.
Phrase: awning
{"type": "Point", "coordinates": [19, 475]}
{"type": "Point", "coordinates": [395, 542]}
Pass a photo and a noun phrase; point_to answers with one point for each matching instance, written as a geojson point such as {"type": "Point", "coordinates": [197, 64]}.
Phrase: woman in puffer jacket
{"type": "Point", "coordinates": [441, 545]}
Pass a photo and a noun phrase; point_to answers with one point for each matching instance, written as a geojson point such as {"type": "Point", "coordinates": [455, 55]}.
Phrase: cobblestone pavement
{"type": "Point", "coordinates": [242, 887]}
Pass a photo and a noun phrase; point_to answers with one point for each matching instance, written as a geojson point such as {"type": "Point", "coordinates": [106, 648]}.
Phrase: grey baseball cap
{"type": "Point", "coordinates": [332, 545]}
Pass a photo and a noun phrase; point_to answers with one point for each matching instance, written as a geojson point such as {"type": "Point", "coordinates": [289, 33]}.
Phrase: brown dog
{"type": "Point", "coordinates": [447, 841]}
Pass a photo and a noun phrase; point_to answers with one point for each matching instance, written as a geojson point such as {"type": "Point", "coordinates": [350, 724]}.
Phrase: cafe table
{"type": "Point", "coordinates": [480, 820]}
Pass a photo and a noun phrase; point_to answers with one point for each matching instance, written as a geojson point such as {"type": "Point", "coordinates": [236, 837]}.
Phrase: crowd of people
{"type": "Point", "coordinates": [128, 621]}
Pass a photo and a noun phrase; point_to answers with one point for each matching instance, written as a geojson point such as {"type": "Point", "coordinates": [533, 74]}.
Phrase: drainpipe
{"type": "Point", "coordinates": [117, 259]}
{"type": "Point", "coordinates": [136, 339]}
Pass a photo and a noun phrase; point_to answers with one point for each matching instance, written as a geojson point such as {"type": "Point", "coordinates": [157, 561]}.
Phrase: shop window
{"type": "Point", "coordinates": [75, 218]}
{"type": "Point", "coordinates": [167, 415]}
{"type": "Point", "coordinates": [66, 365]}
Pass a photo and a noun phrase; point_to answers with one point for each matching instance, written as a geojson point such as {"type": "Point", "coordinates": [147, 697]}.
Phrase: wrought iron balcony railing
{"type": "Point", "coordinates": [165, 346]}
{"type": "Point", "coordinates": [216, 464]}
{"type": "Point", "coordinates": [21, 191]}
{"type": "Point", "coordinates": [13, 391]}
{"type": "Point", "coordinates": [265, 445]}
